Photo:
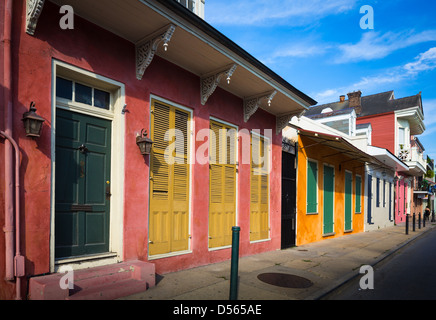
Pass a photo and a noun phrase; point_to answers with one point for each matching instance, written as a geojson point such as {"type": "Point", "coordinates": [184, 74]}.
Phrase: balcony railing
{"type": "Point", "coordinates": [412, 156]}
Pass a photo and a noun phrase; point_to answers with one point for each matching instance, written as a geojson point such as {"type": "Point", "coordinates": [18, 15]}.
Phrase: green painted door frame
{"type": "Point", "coordinates": [82, 184]}
{"type": "Point", "coordinates": [328, 192]}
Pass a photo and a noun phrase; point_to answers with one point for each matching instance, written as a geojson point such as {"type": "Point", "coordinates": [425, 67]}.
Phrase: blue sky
{"type": "Point", "coordinates": [319, 47]}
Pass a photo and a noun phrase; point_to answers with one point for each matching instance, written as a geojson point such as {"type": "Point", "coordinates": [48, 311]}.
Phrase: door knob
{"type": "Point", "coordinates": [83, 149]}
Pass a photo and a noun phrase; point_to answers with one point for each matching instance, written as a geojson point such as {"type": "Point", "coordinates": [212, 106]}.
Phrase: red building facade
{"type": "Point", "coordinates": [83, 83]}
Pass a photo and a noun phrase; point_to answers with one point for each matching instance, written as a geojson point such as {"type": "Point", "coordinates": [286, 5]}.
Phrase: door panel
{"type": "Point", "coordinates": [82, 173]}
{"type": "Point", "coordinates": [328, 200]}
{"type": "Point", "coordinates": [96, 233]}
{"type": "Point", "coordinates": [95, 165]}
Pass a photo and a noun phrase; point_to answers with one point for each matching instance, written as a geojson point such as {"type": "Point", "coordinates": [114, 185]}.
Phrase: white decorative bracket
{"type": "Point", "coordinates": [210, 81]}
{"type": "Point", "coordinates": [283, 120]}
{"type": "Point", "coordinates": [146, 49]}
{"type": "Point", "coordinates": [251, 104]}
{"type": "Point", "coordinates": [33, 11]}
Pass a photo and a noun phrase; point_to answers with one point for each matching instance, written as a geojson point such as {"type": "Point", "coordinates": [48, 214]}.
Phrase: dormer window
{"type": "Point", "coordinates": [195, 6]}
{"type": "Point", "coordinates": [190, 4]}
{"type": "Point", "coordinates": [327, 110]}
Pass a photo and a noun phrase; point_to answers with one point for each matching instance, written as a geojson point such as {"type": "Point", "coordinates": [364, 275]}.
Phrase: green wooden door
{"type": "Point", "coordinates": [348, 200]}
{"type": "Point", "coordinates": [328, 200]}
{"type": "Point", "coordinates": [82, 186]}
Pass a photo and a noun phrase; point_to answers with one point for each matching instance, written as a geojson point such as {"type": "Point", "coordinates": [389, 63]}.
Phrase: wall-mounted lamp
{"type": "Point", "coordinates": [32, 122]}
{"type": "Point", "coordinates": [144, 143]}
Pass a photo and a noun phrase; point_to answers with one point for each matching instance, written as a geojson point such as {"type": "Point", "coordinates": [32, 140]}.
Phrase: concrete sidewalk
{"type": "Point", "coordinates": [327, 264]}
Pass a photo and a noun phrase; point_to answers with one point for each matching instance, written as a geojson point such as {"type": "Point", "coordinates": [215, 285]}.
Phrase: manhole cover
{"type": "Point", "coordinates": [285, 280]}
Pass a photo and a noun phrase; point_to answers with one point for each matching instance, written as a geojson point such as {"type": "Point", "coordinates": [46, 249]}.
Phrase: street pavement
{"type": "Point", "coordinates": [326, 264]}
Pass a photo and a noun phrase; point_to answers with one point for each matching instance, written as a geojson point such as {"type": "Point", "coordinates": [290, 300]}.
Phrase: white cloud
{"type": "Point", "coordinates": [385, 79]}
{"type": "Point", "coordinates": [328, 95]}
{"type": "Point", "coordinates": [365, 84]}
{"type": "Point", "coordinates": [425, 61]}
{"type": "Point", "coordinates": [278, 12]}
{"type": "Point", "coordinates": [374, 45]}
{"type": "Point", "coordinates": [300, 50]}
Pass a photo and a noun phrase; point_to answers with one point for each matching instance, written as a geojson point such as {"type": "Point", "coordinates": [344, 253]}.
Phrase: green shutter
{"type": "Point", "coordinates": [348, 200]}
{"type": "Point", "coordinates": [312, 187]}
{"type": "Point", "coordinates": [358, 196]}
{"type": "Point", "coordinates": [328, 192]}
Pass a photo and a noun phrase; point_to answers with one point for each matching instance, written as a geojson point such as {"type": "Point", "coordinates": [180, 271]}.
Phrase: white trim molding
{"type": "Point", "coordinates": [115, 115]}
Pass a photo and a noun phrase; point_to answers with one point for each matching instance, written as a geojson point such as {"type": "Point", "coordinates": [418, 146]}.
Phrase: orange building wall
{"type": "Point", "coordinates": [310, 226]}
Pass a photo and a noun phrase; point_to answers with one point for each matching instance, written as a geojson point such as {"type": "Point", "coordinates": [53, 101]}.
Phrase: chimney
{"type": "Point", "coordinates": [354, 101]}
{"type": "Point", "coordinates": [341, 98]}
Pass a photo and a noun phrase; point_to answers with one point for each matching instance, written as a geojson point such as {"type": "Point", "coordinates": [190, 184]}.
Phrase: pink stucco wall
{"type": "Point", "coordinates": [401, 198]}
{"type": "Point", "coordinates": [94, 49]}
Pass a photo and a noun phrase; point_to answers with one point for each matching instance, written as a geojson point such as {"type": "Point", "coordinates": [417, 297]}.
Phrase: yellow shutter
{"type": "Point", "coordinates": [180, 239]}
{"type": "Point", "coordinates": [222, 180]}
{"type": "Point", "coordinates": [169, 181]}
{"type": "Point", "coordinates": [259, 189]}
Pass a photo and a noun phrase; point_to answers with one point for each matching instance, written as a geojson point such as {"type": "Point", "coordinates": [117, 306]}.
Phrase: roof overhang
{"type": "Point", "coordinates": [197, 47]}
{"type": "Point", "coordinates": [415, 117]}
{"type": "Point", "coordinates": [415, 168]}
{"type": "Point", "coordinates": [342, 146]}
{"type": "Point", "coordinates": [387, 158]}
{"type": "Point", "coordinates": [421, 194]}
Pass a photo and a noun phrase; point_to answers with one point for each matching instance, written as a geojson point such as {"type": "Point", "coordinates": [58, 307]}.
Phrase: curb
{"type": "Point", "coordinates": [352, 275]}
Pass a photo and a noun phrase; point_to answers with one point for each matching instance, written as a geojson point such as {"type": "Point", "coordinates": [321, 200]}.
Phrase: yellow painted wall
{"type": "Point", "coordinates": [310, 226]}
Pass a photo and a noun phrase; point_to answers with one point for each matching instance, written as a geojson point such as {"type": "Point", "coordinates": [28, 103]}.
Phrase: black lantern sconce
{"type": "Point", "coordinates": [32, 122]}
{"type": "Point", "coordinates": [144, 143]}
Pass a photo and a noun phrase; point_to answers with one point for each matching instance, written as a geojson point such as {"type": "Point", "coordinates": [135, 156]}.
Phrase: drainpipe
{"type": "Point", "coordinates": [9, 192]}
{"type": "Point", "coordinates": [14, 265]}
{"type": "Point", "coordinates": [18, 261]}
